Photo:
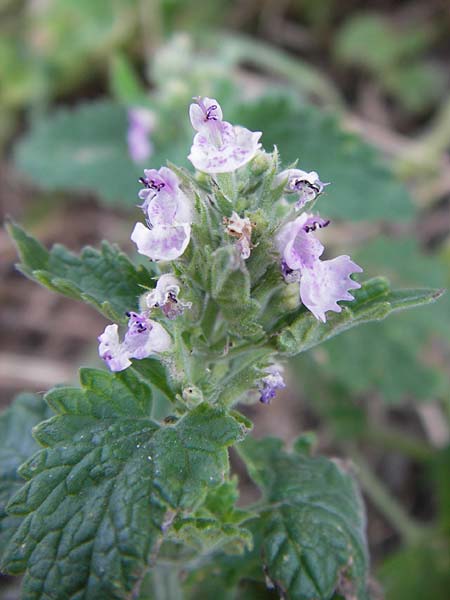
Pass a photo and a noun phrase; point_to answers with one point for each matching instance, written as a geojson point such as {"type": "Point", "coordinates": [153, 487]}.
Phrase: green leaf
{"type": "Point", "coordinates": [204, 535]}
{"type": "Point", "coordinates": [104, 278]}
{"type": "Point", "coordinates": [417, 572]}
{"type": "Point", "coordinates": [221, 502]}
{"type": "Point", "coordinates": [152, 370]}
{"type": "Point", "coordinates": [311, 522]}
{"type": "Point", "coordinates": [363, 188]}
{"type": "Point", "coordinates": [16, 445]}
{"type": "Point", "coordinates": [359, 43]}
{"type": "Point", "coordinates": [217, 525]}
{"type": "Point", "coordinates": [385, 357]}
{"type": "Point", "coordinates": [231, 577]}
{"type": "Point", "coordinates": [108, 484]}
{"type": "Point", "coordinates": [406, 80]}
{"type": "Point", "coordinates": [83, 149]}
{"type": "Point", "coordinates": [373, 301]}
{"type": "Point", "coordinates": [407, 265]}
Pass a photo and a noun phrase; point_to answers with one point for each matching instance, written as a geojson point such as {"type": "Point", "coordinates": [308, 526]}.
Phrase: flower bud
{"type": "Point", "coordinates": [260, 163]}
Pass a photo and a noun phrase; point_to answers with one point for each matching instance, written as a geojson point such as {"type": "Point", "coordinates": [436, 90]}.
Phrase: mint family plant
{"type": "Point", "coordinates": [120, 504]}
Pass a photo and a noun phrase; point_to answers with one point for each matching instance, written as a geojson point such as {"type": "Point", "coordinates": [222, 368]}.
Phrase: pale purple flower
{"type": "Point", "coordinates": [166, 297]}
{"type": "Point", "coordinates": [161, 242]}
{"type": "Point", "coordinates": [240, 228]}
{"type": "Point", "coordinates": [295, 243]}
{"type": "Point", "coordinates": [205, 110]}
{"type": "Point", "coordinates": [143, 338]}
{"type": "Point", "coordinates": [162, 183]}
{"type": "Point", "coordinates": [322, 283]}
{"type": "Point", "coordinates": [168, 214]}
{"type": "Point", "coordinates": [219, 147]}
{"type": "Point", "coordinates": [112, 351]}
{"type": "Point", "coordinates": [306, 185]}
{"type": "Point", "coordinates": [272, 382]}
{"type": "Point", "coordinates": [326, 283]}
{"type": "Point", "coordinates": [141, 123]}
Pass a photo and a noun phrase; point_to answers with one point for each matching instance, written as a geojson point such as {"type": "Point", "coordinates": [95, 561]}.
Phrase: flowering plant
{"type": "Point", "coordinates": [117, 499]}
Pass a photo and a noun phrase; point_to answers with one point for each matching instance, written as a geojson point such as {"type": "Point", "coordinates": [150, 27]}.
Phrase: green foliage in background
{"type": "Point", "coordinates": [65, 50]}
{"type": "Point", "coordinates": [394, 56]}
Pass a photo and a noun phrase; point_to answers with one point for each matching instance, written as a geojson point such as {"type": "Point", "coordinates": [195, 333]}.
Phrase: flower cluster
{"type": "Point", "coordinates": [218, 147]}
{"type": "Point", "coordinates": [220, 150]}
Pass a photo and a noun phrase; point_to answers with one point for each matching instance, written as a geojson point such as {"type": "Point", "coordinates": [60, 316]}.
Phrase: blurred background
{"type": "Point", "coordinates": [91, 92]}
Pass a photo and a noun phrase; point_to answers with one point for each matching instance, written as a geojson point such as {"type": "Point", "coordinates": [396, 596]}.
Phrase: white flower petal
{"type": "Point", "coordinates": [161, 242]}
{"type": "Point", "coordinates": [111, 350]}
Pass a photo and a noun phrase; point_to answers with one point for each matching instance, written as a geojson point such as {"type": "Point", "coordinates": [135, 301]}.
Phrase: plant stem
{"type": "Point", "coordinates": [300, 74]}
{"type": "Point", "coordinates": [182, 356]}
{"type": "Point", "coordinates": [437, 139]}
{"type": "Point", "coordinates": [380, 496]}
{"type": "Point", "coordinates": [396, 440]}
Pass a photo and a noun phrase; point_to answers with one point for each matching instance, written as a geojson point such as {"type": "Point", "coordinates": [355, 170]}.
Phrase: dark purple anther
{"type": "Point", "coordinates": [300, 184]}
{"type": "Point", "coordinates": [290, 276]}
{"type": "Point", "coordinates": [208, 114]}
{"type": "Point", "coordinates": [151, 184]}
{"type": "Point", "coordinates": [314, 224]}
{"type": "Point", "coordinates": [137, 323]}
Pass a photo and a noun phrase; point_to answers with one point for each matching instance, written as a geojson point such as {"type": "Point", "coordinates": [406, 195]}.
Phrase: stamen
{"type": "Point", "coordinates": [151, 184]}
{"type": "Point", "coordinates": [315, 225]}
{"type": "Point", "coordinates": [156, 186]}
{"type": "Point", "coordinates": [209, 110]}
{"type": "Point", "coordinates": [299, 182]}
